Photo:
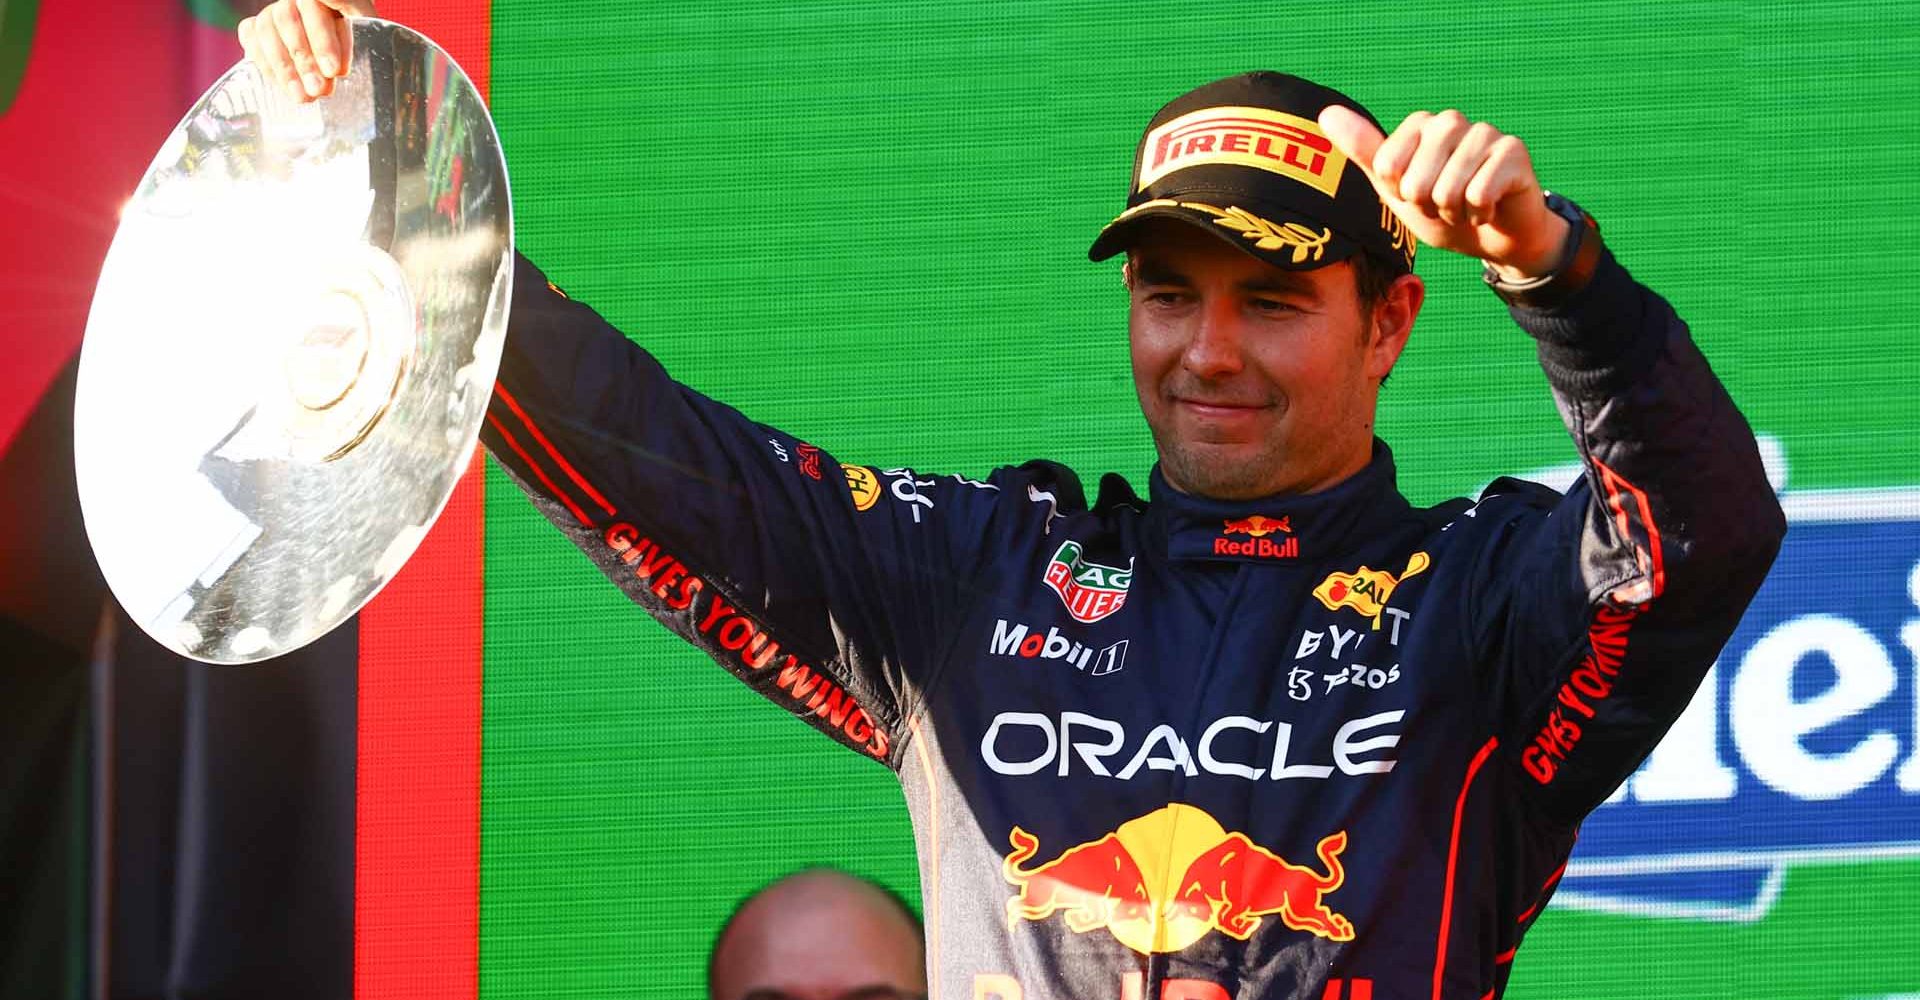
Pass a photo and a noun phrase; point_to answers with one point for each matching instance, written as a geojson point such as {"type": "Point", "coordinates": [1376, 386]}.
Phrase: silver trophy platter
{"type": "Point", "coordinates": [291, 348]}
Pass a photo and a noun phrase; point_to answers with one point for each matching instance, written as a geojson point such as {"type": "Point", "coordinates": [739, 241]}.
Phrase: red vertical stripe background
{"type": "Point", "coordinates": [417, 823]}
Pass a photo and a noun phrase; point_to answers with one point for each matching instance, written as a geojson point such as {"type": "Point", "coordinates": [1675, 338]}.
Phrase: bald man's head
{"type": "Point", "coordinates": [819, 935]}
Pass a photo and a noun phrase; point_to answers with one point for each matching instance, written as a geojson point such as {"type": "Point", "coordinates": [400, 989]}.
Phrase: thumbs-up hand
{"type": "Point", "coordinates": [1458, 185]}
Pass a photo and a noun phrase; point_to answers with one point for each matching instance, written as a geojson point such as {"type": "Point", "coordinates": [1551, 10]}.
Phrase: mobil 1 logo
{"type": "Point", "coordinates": [1025, 642]}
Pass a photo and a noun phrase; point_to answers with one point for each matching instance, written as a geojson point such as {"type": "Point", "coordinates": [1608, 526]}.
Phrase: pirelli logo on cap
{"type": "Point", "coordinates": [1269, 140]}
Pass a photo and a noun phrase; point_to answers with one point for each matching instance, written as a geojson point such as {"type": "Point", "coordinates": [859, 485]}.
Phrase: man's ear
{"type": "Point", "coordinates": [1392, 321]}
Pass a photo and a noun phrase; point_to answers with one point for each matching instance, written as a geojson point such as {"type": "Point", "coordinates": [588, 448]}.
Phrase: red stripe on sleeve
{"type": "Point", "coordinates": [538, 472]}
{"type": "Point", "coordinates": [560, 460]}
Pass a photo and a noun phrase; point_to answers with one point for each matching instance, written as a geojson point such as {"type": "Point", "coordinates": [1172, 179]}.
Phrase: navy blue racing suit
{"type": "Point", "coordinates": [1330, 746]}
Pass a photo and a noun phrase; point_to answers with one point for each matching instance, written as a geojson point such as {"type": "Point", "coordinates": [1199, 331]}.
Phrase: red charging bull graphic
{"type": "Point", "coordinates": [1161, 882]}
{"type": "Point", "coordinates": [1259, 526]}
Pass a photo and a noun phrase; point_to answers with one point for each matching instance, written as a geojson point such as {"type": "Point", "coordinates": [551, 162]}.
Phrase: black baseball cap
{"type": "Point", "coordinates": [1244, 158]}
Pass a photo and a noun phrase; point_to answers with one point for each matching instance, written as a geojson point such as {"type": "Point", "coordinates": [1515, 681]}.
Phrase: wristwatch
{"type": "Point", "coordinates": [1578, 258]}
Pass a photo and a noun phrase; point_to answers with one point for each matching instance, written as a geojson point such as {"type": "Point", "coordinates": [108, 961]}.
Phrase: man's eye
{"type": "Point", "coordinates": [1165, 298]}
{"type": "Point", "coordinates": [1273, 306]}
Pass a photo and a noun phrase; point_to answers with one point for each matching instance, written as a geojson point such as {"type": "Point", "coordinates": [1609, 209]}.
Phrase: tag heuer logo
{"type": "Point", "coordinates": [1090, 590]}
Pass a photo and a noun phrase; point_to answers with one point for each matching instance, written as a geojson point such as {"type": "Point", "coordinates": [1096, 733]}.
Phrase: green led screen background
{"type": "Point", "coordinates": [866, 223]}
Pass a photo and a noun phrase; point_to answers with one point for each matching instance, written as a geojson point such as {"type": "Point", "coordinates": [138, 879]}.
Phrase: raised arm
{"type": "Point", "coordinates": [828, 588]}
{"type": "Point", "coordinates": [1595, 616]}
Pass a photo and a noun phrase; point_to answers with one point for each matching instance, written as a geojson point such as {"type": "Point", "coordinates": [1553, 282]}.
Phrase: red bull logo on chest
{"type": "Point", "coordinates": [1258, 545]}
{"type": "Point", "coordinates": [1163, 881]}
{"type": "Point", "coordinates": [1091, 591]}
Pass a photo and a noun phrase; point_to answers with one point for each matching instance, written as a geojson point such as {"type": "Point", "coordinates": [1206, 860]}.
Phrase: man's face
{"type": "Point", "coordinates": [1255, 380]}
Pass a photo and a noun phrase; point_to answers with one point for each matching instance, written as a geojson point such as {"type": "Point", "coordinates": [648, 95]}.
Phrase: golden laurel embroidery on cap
{"type": "Point", "coordinates": [1398, 232]}
{"type": "Point", "coordinates": [1306, 243]}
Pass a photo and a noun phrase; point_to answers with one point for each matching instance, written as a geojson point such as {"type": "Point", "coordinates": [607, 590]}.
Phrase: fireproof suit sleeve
{"type": "Point", "coordinates": [823, 587]}
{"type": "Point", "coordinates": [1598, 616]}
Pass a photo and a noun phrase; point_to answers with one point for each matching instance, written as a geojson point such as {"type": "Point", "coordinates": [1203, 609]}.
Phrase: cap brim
{"type": "Point", "coordinates": [1287, 240]}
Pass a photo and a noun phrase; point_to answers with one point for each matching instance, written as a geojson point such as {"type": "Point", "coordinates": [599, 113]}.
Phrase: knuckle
{"type": "Point", "coordinates": [1483, 132]}
{"type": "Point", "coordinates": [1446, 123]}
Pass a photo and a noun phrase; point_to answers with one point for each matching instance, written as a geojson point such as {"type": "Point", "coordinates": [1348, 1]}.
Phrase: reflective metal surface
{"type": "Point", "coordinates": [291, 348]}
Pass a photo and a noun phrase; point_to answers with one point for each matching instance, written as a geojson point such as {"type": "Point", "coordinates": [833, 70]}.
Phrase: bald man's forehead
{"type": "Point", "coordinates": [818, 936]}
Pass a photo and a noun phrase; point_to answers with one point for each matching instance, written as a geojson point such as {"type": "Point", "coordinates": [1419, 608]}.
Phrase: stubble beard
{"type": "Point", "coordinates": [1207, 470]}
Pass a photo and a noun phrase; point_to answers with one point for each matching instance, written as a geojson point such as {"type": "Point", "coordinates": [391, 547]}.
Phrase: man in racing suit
{"type": "Point", "coordinates": [1271, 732]}
{"type": "Point", "coordinates": [1290, 743]}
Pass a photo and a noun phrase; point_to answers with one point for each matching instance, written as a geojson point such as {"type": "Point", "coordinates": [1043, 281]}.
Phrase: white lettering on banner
{"type": "Point", "coordinates": [1769, 726]}
{"type": "Point", "coordinates": [1352, 748]}
{"type": "Point", "coordinates": [1763, 690]}
{"type": "Point", "coordinates": [1800, 746]}
{"type": "Point", "coordinates": [1674, 772]}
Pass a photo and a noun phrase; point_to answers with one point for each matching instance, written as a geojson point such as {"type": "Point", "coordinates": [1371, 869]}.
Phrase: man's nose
{"type": "Point", "coordinates": [1213, 350]}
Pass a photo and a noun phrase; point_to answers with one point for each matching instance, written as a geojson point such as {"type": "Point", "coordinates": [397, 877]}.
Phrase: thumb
{"type": "Point", "coordinates": [1353, 135]}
